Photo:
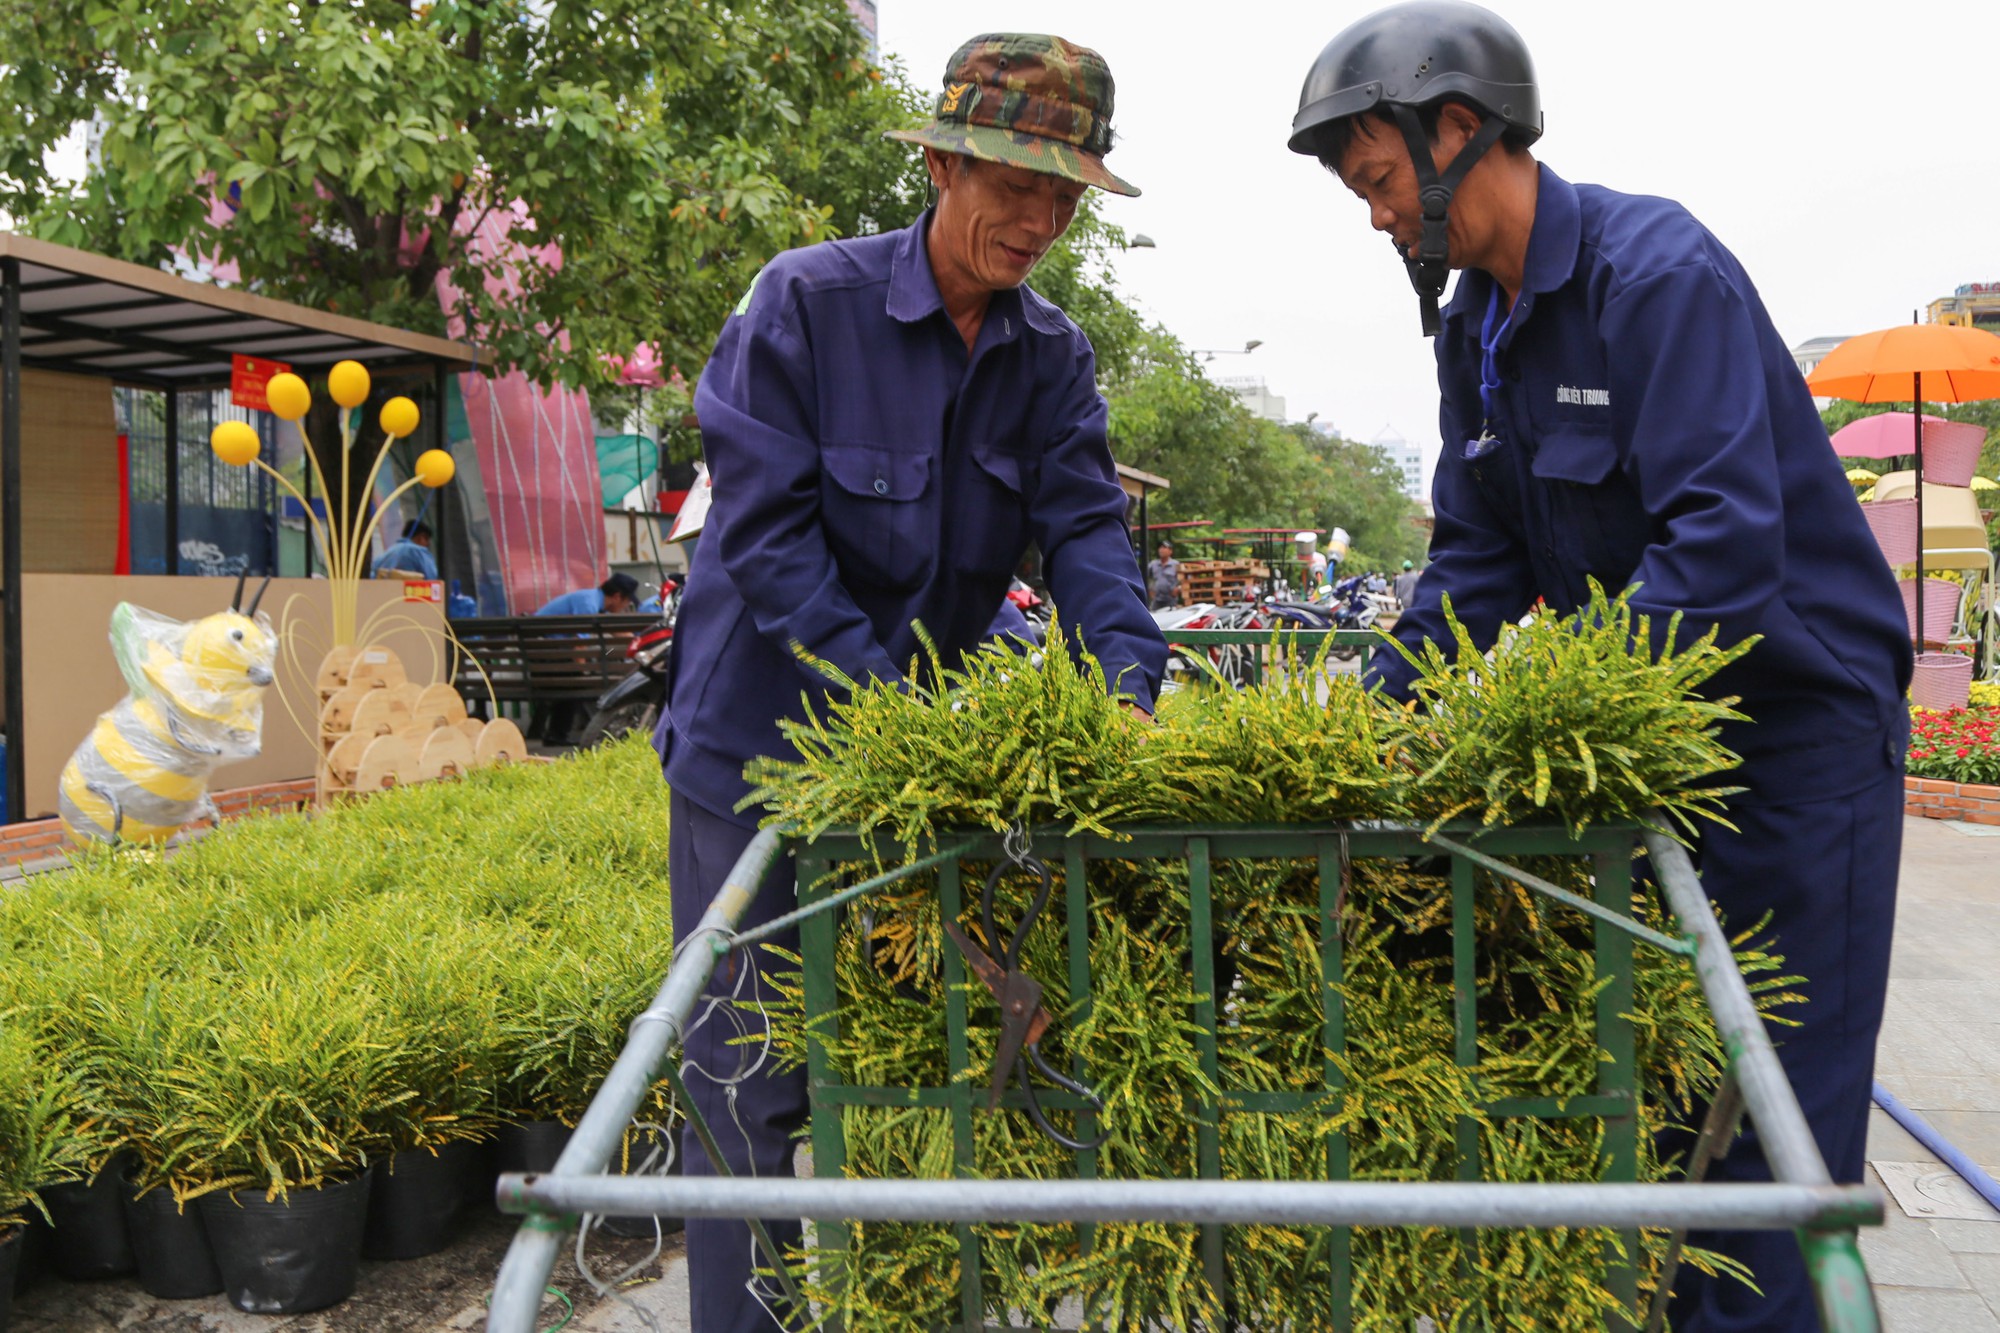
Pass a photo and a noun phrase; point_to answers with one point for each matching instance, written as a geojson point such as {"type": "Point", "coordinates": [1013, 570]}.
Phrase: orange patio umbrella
{"type": "Point", "coordinates": [1915, 364]}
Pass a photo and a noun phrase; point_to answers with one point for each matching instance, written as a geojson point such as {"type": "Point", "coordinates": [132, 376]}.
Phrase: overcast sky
{"type": "Point", "coordinates": [1849, 155]}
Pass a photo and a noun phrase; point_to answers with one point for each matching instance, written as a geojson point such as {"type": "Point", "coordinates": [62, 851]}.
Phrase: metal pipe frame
{"type": "Point", "coordinates": [517, 1294]}
{"type": "Point", "coordinates": [1802, 1195]}
{"type": "Point", "coordinates": [1209, 1203]}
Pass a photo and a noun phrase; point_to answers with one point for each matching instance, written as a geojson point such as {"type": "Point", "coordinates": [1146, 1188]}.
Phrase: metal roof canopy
{"type": "Point", "coordinates": [88, 314]}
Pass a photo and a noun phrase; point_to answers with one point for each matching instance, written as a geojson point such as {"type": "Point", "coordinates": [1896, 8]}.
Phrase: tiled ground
{"type": "Point", "coordinates": [1940, 1055]}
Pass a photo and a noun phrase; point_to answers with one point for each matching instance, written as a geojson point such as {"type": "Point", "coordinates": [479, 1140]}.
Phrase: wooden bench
{"type": "Point", "coordinates": [542, 659]}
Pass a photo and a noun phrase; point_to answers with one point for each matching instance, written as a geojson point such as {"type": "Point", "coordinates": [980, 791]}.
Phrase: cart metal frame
{"type": "Point", "coordinates": [1801, 1197]}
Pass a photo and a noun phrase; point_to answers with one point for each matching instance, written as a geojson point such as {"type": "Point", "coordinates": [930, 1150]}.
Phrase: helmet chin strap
{"type": "Point", "coordinates": [1431, 269]}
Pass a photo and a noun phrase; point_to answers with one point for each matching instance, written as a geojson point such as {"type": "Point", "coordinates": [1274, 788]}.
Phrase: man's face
{"type": "Point", "coordinates": [1166, 553]}
{"type": "Point", "coordinates": [616, 603]}
{"type": "Point", "coordinates": [1377, 168]}
{"type": "Point", "coordinates": [994, 223]}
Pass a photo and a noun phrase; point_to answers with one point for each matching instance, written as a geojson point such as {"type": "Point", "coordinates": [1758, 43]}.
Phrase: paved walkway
{"type": "Point", "coordinates": [1940, 1054]}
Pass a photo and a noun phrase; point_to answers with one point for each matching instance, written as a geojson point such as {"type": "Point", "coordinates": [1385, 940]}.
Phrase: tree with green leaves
{"type": "Point", "coordinates": [636, 162]}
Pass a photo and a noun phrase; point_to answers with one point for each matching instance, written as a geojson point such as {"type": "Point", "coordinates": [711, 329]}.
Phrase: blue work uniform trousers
{"type": "Point", "coordinates": [1826, 873]}
{"type": "Point", "coordinates": [755, 1116]}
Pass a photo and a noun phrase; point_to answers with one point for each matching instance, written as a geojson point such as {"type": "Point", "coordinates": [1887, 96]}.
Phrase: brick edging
{"type": "Point", "coordinates": [1935, 798]}
{"type": "Point", "coordinates": [44, 839]}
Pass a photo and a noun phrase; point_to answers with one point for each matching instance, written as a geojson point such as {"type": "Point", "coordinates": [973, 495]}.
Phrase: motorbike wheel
{"type": "Point", "coordinates": [613, 723]}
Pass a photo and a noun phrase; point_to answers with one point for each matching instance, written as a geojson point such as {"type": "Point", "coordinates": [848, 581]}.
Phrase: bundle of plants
{"type": "Point", "coordinates": [1582, 719]}
{"type": "Point", "coordinates": [1577, 720]}
{"type": "Point", "coordinates": [1396, 1098]}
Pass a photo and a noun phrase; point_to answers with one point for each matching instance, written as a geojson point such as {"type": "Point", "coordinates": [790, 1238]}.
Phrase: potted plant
{"type": "Point", "coordinates": [281, 1108]}
{"type": "Point", "coordinates": [41, 1141]}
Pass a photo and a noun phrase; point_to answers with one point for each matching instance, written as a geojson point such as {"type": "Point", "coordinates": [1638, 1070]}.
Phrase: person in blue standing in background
{"type": "Point", "coordinates": [1617, 405]}
{"type": "Point", "coordinates": [411, 557]}
{"type": "Point", "coordinates": [616, 596]}
{"type": "Point", "coordinates": [889, 422]}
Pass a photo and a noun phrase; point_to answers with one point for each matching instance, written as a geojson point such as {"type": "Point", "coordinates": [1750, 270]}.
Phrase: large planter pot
{"type": "Point", "coordinates": [170, 1246]}
{"type": "Point", "coordinates": [639, 1147]}
{"type": "Point", "coordinates": [288, 1257]}
{"type": "Point", "coordinates": [526, 1148]}
{"type": "Point", "coordinates": [416, 1200]}
{"type": "Point", "coordinates": [10, 1264]}
{"type": "Point", "coordinates": [90, 1240]}
{"type": "Point", "coordinates": [530, 1146]}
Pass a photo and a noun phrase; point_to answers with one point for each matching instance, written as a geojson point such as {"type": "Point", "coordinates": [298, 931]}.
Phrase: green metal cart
{"type": "Point", "coordinates": [1801, 1197]}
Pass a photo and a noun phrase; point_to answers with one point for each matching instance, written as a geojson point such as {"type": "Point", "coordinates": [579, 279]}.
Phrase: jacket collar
{"type": "Point", "coordinates": [1554, 244]}
{"type": "Point", "coordinates": [914, 296]}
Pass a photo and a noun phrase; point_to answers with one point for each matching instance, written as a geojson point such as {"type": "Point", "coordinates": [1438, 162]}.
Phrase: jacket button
{"type": "Point", "coordinates": [881, 486]}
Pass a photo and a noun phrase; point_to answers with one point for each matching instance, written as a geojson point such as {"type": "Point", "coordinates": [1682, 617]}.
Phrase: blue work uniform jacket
{"type": "Point", "coordinates": [582, 602]}
{"type": "Point", "coordinates": [406, 555]}
{"type": "Point", "coordinates": [869, 474]}
{"type": "Point", "coordinates": [1654, 430]}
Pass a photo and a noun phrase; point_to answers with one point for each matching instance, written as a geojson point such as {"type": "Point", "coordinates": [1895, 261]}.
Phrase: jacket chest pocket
{"type": "Point", "coordinates": [1594, 522]}
{"type": "Point", "coordinates": [878, 515]}
{"type": "Point", "coordinates": [989, 513]}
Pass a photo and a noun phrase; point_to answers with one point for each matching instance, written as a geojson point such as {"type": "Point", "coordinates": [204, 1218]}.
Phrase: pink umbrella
{"type": "Point", "coordinates": [1884, 435]}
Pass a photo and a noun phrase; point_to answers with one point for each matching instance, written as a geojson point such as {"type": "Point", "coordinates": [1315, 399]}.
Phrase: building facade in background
{"type": "Point", "coordinates": [865, 18]}
{"type": "Point", "coordinates": [1812, 351]}
{"type": "Point", "coordinates": [1253, 393]}
{"type": "Point", "coordinates": [1406, 458]}
{"type": "Point", "coordinates": [1974, 303]}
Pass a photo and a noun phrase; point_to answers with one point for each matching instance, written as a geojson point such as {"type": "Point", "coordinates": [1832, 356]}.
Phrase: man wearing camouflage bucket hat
{"type": "Point", "coordinates": [889, 422]}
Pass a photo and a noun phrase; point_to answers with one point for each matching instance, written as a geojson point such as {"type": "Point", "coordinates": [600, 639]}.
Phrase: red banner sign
{"type": "Point", "coordinates": [423, 590]}
{"type": "Point", "coordinates": [247, 377]}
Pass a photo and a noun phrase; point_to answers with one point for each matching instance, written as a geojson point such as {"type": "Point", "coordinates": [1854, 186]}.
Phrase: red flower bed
{"type": "Point", "coordinates": [1956, 745]}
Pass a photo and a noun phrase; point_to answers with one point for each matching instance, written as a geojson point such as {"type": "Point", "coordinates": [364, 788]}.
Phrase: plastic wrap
{"type": "Point", "coordinates": [196, 702]}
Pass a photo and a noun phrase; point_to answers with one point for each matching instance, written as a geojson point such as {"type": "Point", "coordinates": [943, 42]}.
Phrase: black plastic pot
{"type": "Point", "coordinates": [10, 1264]}
{"type": "Point", "coordinates": [32, 1258]}
{"type": "Point", "coordinates": [530, 1147]}
{"type": "Point", "coordinates": [415, 1202]}
{"type": "Point", "coordinates": [639, 1147]}
{"type": "Point", "coordinates": [170, 1246]}
{"type": "Point", "coordinates": [525, 1148]}
{"type": "Point", "coordinates": [90, 1240]}
{"type": "Point", "coordinates": [290, 1257]}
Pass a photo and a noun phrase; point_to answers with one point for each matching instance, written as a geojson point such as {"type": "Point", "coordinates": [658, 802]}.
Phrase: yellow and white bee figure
{"type": "Point", "coordinates": [196, 703]}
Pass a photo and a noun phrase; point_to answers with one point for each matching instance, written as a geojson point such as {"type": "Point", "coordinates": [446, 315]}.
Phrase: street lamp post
{"type": "Point", "coordinates": [1210, 353]}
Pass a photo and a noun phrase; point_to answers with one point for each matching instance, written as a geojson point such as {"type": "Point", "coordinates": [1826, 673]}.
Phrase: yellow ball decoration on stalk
{"type": "Point", "coordinates": [435, 467]}
{"type": "Point", "coordinates": [399, 418]}
{"type": "Point", "coordinates": [348, 383]}
{"type": "Point", "coordinates": [235, 442]}
{"type": "Point", "coordinates": [288, 396]}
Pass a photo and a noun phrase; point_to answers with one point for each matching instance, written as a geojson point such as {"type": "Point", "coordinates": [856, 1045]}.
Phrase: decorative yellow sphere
{"type": "Point", "coordinates": [235, 442]}
{"type": "Point", "coordinates": [435, 467]}
{"type": "Point", "coordinates": [288, 396]}
{"type": "Point", "coordinates": [348, 383]}
{"type": "Point", "coordinates": [399, 417]}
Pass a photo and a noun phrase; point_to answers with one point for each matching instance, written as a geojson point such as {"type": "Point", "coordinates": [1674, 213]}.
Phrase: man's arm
{"type": "Point", "coordinates": [759, 433]}
{"type": "Point", "coordinates": [1687, 383]}
{"type": "Point", "coordinates": [1077, 516]}
{"type": "Point", "coordinates": [1474, 559]}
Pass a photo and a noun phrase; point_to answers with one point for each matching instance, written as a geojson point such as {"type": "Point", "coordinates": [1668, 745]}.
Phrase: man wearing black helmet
{"type": "Point", "coordinates": [1616, 405]}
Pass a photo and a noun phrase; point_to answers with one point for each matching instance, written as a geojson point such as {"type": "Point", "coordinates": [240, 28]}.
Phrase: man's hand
{"type": "Point", "coordinates": [1137, 711]}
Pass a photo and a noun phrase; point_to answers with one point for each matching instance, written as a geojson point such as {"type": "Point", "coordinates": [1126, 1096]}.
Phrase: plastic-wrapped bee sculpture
{"type": "Point", "coordinates": [196, 703]}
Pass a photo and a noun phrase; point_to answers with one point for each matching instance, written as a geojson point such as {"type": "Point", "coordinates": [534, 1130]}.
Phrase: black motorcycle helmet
{"type": "Point", "coordinates": [1412, 55]}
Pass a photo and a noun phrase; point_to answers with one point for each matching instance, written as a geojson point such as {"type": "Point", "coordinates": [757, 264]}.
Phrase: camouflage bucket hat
{"type": "Point", "coordinates": [1027, 100]}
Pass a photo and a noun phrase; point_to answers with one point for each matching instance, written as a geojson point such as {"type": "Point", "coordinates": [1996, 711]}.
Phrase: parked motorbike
{"type": "Point", "coordinates": [634, 703]}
